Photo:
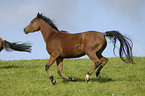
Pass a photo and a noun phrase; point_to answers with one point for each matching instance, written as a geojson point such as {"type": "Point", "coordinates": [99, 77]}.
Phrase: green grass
{"type": "Point", "coordinates": [29, 78]}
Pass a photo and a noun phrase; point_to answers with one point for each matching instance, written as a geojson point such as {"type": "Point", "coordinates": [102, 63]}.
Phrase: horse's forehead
{"type": "Point", "coordinates": [34, 19]}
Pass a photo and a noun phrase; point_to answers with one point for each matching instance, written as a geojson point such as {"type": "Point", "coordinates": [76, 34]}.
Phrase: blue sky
{"type": "Point", "coordinates": [74, 16]}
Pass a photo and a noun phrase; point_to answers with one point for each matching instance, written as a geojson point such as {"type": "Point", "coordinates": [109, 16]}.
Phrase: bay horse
{"type": "Point", "coordinates": [24, 47]}
{"type": "Point", "coordinates": [61, 45]}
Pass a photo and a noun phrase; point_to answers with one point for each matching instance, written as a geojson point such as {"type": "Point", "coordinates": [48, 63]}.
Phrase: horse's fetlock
{"type": "Point", "coordinates": [59, 73]}
{"type": "Point", "coordinates": [88, 73]}
{"type": "Point", "coordinates": [52, 80]}
{"type": "Point", "coordinates": [97, 73]}
{"type": "Point", "coordinates": [51, 77]}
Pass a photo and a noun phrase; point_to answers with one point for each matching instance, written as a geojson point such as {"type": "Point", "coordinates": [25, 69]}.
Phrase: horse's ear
{"type": "Point", "coordinates": [38, 15]}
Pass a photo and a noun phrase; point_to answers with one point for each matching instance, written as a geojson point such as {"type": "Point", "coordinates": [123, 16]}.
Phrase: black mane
{"type": "Point", "coordinates": [49, 22]}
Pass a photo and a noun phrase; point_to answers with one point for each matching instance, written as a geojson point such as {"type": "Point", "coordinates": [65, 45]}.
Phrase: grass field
{"type": "Point", "coordinates": [28, 78]}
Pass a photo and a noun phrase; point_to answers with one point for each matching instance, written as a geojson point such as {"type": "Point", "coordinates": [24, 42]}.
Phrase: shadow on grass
{"type": "Point", "coordinates": [9, 67]}
{"type": "Point", "coordinates": [103, 80]}
{"type": "Point", "coordinates": [13, 66]}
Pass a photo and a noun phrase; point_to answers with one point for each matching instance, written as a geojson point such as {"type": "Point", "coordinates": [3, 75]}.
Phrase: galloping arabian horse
{"type": "Point", "coordinates": [14, 46]}
{"type": "Point", "coordinates": [60, 45]}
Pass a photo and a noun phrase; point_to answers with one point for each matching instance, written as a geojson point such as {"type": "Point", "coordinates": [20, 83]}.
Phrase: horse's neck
{"type": "Point", "coordinates": [47, 32]}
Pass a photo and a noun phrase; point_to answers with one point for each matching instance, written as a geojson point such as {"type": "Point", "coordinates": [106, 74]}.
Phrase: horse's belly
{"type": "Point", "coordinates": [72, 55]}
{"type": "Point", "coordinates": [72, 52]}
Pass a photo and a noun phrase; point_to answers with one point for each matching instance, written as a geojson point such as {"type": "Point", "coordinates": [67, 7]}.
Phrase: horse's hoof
{"type": "Point", "coordinates": [53, 82]}
{"type": "Point", "coordinates": [87, 78]}
{"type": "Point", "coordinates": [99, 77]}
{"type": "Point", "coordinates": [71, 79]}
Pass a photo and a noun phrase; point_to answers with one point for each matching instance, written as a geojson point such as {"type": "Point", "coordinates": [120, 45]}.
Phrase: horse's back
{"type": "Point", "coordinates": [75, 45]}
{"type": "Point", "coordinates": [71, 45]}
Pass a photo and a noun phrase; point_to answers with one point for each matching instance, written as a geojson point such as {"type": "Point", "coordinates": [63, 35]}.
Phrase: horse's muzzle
{"type": "Point", "coordinates": [26, 31]}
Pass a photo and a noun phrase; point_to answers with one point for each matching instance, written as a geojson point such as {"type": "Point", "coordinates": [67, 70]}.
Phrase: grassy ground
{"type": "Point", "coordinates": [28, 78]}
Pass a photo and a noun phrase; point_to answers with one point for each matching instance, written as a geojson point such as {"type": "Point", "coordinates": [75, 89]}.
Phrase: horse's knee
{"type": "Point", "coordinates": [46, 67]}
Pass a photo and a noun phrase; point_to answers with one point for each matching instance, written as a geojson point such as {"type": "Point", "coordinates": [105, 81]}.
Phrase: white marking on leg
{"type": "Point", "coordinates": [87, 77]}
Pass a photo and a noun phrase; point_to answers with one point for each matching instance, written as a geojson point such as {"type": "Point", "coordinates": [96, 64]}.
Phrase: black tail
{"type": "Point", "coordinates": [17, 47]}
{"type": "Point", "coordinates": [125, 45]}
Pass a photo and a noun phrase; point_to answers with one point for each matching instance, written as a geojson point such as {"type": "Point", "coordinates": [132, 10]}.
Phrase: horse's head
{"type": "Point", "coordinates": [34, 25]}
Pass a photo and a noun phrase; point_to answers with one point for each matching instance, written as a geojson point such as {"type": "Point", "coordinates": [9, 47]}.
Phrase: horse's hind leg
{"type": "Point", "coordinates": [104, 61]}
{"type": "Point", "coordinates": [59, 62]}
{"type": "Point", "coordinates": [96, 61]}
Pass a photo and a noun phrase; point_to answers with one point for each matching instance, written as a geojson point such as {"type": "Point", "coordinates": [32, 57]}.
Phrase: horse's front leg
{"type": "Point", "coordinates": [59, 62]}
{"type": "Point", "coordinates": [50, 62]}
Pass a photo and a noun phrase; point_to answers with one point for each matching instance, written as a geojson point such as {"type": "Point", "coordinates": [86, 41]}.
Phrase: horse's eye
{"type": "Point", "coordinates": [31, 21]}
